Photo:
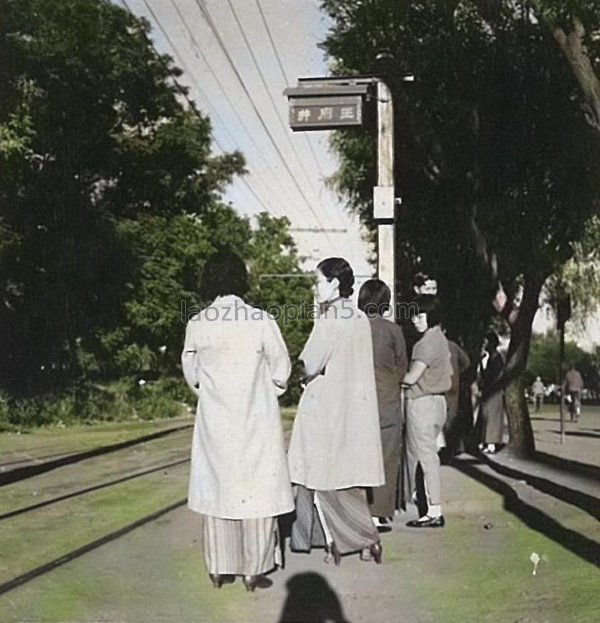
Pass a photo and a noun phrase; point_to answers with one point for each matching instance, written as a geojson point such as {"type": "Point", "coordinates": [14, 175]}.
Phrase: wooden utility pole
{"type": "Point", "coordinates": [384, 210]}
{"type": "Point", "coordinates": [563, 313]}
{"type": "Point", "coordinates": [332, 102]}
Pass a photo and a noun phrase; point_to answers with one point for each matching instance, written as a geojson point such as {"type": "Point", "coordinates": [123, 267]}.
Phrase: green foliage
{"type": "Point", "coordinates": [124, 399]}
{"type": "Point", "coordinates": [110, 203]}
{"type": "Point", "coordinates": [494, 156]}
{"type": "Point", "coordinates": [288, 298]}
{"type": "Point", "coordinates": [579, 278]}
{"type": "Point", "coordinates": [103, 167]}
{"type": "Point", "coordinates": [544, 360]}
{"type": "Point", "coordinates": [497, 150]}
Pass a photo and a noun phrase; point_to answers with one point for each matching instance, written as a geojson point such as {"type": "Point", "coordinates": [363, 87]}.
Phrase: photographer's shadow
{"type": "Point", "coordinates": [311, 599]}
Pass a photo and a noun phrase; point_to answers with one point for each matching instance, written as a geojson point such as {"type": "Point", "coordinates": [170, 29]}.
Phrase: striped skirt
{"type": "Point", "coordinates": [341, 516]}
{"type": "Point", "coordinates": [240, 546]}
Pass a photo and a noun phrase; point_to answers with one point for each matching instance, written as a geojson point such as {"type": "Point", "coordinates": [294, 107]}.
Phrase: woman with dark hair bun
{"type": "Point", "coordinates": [335, 449]}
{"type": "Point", "coordinates": [235, 361]}
{"type": "Point", "coordinates": [389, 356]}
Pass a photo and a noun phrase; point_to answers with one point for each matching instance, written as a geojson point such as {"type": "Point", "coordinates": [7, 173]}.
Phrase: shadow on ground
{"type": "Point", "coordinates": [311, 599]}
{"type": "Point", "coordinates": [534, 518]}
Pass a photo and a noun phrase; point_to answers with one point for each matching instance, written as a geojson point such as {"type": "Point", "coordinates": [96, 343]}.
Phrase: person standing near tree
{"type": "Point", "coordinates": [491, 395]}
{"type": "Point", "coordinates": [426, 382]}
{"type": "Point", "coordinates": [235, 361]}
{"type": "Point", "coordinates": [456, 429]}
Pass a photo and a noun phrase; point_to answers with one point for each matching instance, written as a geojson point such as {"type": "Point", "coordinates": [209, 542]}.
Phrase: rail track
{"type": "Point", "coordinates": [90, 498]}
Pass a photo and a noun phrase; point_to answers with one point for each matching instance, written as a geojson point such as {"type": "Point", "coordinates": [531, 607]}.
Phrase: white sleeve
{"type": "Point", "coordinates": [277, 356]}
{"type": "Point", "coordinates": [318, 348]}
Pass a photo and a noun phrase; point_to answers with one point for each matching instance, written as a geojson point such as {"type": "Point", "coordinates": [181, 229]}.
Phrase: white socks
{"type": "Point", "coordinates": [435, 510]}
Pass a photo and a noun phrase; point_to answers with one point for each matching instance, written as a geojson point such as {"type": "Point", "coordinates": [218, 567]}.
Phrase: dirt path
{"type": "Point", "coordinates": [475, 570]}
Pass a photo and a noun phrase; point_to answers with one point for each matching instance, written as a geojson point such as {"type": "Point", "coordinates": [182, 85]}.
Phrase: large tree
{"type": "Point", "coordinates": [497, 161]}
{"type": "Point", "coordinates": [97, 151]}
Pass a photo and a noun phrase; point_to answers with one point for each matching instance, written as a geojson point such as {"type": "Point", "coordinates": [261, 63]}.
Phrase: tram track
{"type": "Point", "coordinates": [88, 547]}
{"type": "Point", "coordinates": [91, 489]}
{"type": "Point", "coordinates": [90, 505]}
{"type": "Point", "coordinates": [35, 468]}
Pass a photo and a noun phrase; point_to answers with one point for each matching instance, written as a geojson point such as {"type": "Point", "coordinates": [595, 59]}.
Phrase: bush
{"type": "Point", "coordinates": [125, 399]}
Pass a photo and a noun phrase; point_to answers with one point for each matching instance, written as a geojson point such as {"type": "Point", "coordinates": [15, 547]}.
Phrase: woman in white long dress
{"type": "Point", "coordinates": [335, 448]}
{"type": "Point", "coordinates": [236, 362]}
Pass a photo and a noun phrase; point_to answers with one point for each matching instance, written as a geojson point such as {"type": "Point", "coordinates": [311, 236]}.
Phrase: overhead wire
{"type": "Point", "coordinates": [282, 124]}
{"type": "Point", "coordinates": [208, 18]}
{"type": "Point", "coordinates": [215, 76]}
{"type": "Point", "coordinates": [182, 91]}
{"type": "Point", "coordinates": [286, 80]}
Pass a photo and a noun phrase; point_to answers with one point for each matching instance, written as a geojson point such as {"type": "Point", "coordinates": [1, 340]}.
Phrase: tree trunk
{"type": "Point", "coordinates": [519, 425]}
{"type": "Point", "coordinates": [572, 45]}
{"type": "Point", "coordinates": [521, 441]}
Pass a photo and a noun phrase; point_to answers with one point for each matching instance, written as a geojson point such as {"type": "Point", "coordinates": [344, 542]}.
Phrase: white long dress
{"type": "Point", "coordinates": [336, 443]}
{"type": "Point", "coordinates": [235, 359]}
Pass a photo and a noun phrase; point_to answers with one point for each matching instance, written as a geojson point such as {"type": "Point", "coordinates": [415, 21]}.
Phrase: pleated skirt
{"type": "Point", "coordinates": [346, 514]}
{"type": "Point", "coordinates": [240, 546]}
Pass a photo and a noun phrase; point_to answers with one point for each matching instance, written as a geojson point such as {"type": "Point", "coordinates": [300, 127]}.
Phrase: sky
{"type": "Point", "coordinates": [237, 57]}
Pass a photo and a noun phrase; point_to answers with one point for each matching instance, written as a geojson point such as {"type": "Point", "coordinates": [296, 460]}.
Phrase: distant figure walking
{"type": "Point", "coordinates": [491, 396]}
{"type": "Point", "coordinates": [389, 358]}
{"type": "Point", "coordinates": [572, 388]}
{"type": "Point", "coordinates": [335, 448]}
{"type": "Point", "coordinates": [538, 390]}
{"type": "Point", "coordinates": [236, 362]}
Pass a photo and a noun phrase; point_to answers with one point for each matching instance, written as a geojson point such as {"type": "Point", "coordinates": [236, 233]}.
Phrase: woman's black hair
{"type": "Point", "coordinates": [224, 273]}
{"type": "Point", "coordinates": [430, 305]}
{"type": "Point", "coordinates": [374, 297]}
{"type": "Point", "coordinates": [338, 268]}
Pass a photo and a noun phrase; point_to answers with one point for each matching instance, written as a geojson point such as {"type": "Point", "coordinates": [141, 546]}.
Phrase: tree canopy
{"type": "Point", "coordinates": [110, 199]}
{"type": "Point", "coordinates": [496, 159]}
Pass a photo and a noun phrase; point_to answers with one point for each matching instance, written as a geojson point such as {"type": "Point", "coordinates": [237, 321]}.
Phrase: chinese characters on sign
{"type": "Point", "coordinates": [321, 115]}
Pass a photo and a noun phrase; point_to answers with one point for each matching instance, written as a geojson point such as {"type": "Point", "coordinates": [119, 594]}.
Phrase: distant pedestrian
{"type": "Point", "coordinates": [426, 382]}
{"type": "Point", "coordinates": [389, 358]}
{"type": "Point", "coordinates": [335, 449]}
{"type": "Point", "coordinates": [456, 427]}
{"type": "Point", "coordinates": [491, 395]}
{"type": "Point", "coordinates": [236, 362]}
{"type": "Point", "coordinates": [538, 390]}
{"type": "Point", "coordinates": [572, 388]}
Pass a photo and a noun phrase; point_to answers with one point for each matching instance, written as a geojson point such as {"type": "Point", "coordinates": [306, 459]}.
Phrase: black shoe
{"type": "Point", "coordinates": [218, 579]}
{"type": "Point", "coordinates": [430, 522]}
{"type": "Point", "coordinates": [256, 581]}
{"type": "Point", "coordinates": [376, 552]}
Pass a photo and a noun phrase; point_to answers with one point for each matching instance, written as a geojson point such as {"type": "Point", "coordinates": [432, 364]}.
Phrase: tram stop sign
{"type": "Point", "coordinates": [325, 107]}
{"type": "Point", "coordinates": [324, 113]}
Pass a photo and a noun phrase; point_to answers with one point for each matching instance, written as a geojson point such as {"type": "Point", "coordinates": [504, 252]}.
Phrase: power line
{"type": "Point", "coordinates": [223, 90]}
{"type": "Point", "coordinates": [206, 14]}
{"type": "Point", "coordinates": [183, 91]}
{"type": "Point", "coordinates": [286, 80]}
{"type": "Point", "coordinates": [284, 127]}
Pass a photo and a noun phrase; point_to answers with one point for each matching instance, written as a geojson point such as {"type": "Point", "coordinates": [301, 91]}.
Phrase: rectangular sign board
{"type": "Point", "coordinates": [325, 113]}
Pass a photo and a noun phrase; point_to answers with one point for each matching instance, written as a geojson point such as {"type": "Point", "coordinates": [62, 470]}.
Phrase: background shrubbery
{"type": "Point", "coordinates": [110, 203]}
